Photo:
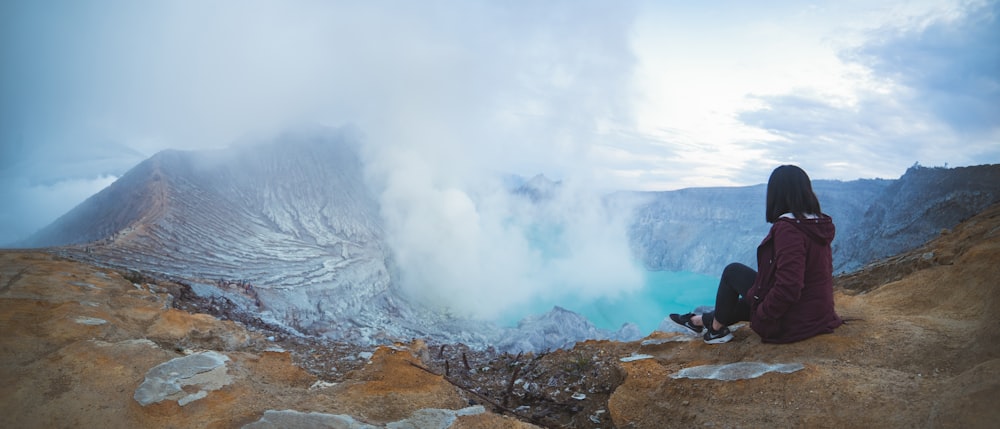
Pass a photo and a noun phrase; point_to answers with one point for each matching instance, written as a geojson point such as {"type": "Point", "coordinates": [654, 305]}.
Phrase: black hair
{"type": "Point", "coordinates": [790, 191]}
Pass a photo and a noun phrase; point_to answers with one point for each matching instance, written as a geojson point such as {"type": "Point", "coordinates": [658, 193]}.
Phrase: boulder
{"type": "Point", "coordinates": [204, 371]}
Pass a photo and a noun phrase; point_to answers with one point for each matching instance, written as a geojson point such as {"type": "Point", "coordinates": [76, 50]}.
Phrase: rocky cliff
{"type": "Point", "coordinates": [915, 208]}
{"type": "Point", "coordinates": [704, 229]}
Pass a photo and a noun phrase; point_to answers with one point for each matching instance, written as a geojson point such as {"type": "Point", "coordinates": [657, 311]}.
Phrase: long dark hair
{"type": "Point", "coordinates": [790, 191]}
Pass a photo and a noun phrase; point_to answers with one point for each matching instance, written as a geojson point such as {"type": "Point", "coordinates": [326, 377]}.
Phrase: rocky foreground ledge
{"type": "Point", "coordinates": [82, 346]}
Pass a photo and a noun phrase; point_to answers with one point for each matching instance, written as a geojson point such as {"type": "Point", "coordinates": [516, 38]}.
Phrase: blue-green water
{"type": "Point", "coordinates": [664, 292]}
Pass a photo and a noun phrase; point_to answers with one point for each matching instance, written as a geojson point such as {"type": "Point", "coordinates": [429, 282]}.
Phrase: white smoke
{"type": "Point", "coordinates": [448, 94]}
{"type": "Point", "coordinates": [32, 206]}
{"type": "Point", "coordinates": [477, 249]}
{"type": "Point", "coordinates": [521, 88]}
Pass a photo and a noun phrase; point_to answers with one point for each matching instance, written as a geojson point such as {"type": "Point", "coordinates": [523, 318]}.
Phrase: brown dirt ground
{"type": "Point", "coordinates": [921, 349]}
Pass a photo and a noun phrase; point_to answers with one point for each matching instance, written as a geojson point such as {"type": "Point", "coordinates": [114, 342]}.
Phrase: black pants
{"type": "Point", "coordinates": [731, 304]}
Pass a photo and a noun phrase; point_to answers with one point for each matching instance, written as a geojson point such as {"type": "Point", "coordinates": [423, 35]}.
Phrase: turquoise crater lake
{"type": "Point", "coordinates": [662, 293]}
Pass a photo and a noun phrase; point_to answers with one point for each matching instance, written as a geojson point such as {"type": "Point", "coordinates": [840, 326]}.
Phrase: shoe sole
{"type": "Point", "coordinates": [690, 329]}
{"type": "Point", "coordinates": [720, 340]}
{"type": "Point", "coordinates": [702, 332]}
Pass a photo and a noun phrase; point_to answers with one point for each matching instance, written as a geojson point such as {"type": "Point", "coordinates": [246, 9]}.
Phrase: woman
{"type": "Point", "coordinates": [790, 298]}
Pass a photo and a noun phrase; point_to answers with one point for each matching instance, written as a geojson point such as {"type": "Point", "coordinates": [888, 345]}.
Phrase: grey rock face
{"type": "Point", "coordinates": [915, 208]}
{"type": "Point", "coordinates": [431, 418]}
{"type": "Point", "coordinates": [558, 329]}
{"type": "Point", "coordinates": [291, 419]}
{"type": "Point", "coordinates": [736, 371]}
{"type": "Point", "coordinates": [704, 229]}
{"type": "Point", "coordinates": [206, 371]}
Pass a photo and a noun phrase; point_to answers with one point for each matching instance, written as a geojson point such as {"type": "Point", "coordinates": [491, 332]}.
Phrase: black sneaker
{"type": "Point", "coordinates": [685, 321]}
{"type": "Point", "coordinates": [717, 337]}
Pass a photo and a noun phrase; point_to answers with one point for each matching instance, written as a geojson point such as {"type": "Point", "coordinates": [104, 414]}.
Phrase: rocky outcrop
{"type": "Point", "coordinates": [915, 209]}
{"type": "Point", "coordinates": [736, 371]}
{"type": "Point", "coordinates": [422, 419]}
{"type": "Point", "coordinates": [558, 329]}
{"type": "Point", "coordinates": [291, 419]}
{"type": "Point", "coordinates": [171, 380]}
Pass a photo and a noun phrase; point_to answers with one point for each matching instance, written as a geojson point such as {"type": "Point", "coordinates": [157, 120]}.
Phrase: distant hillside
{"type": "Point", "coordinates": [293, 218]}
{"type": "Point", "coordinates": [704, 229]}
{"type": "Point", "coordinates": [916, 208]}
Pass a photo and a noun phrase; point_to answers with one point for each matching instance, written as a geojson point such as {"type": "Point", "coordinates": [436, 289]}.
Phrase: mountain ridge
{"type": "Point", "coordinates": [293, 223]}
{"type": "Point", "coordinates": [704, 229]}
{"type": "Point", "coordinates": [228, 215]}
{"type": "Point", "coordinates": [295, 220]}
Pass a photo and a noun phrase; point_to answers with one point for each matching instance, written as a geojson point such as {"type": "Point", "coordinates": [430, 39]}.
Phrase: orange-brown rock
{"type": "Point", "coordinates": [77, 341]}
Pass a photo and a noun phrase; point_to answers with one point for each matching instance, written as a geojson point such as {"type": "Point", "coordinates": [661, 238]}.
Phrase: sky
{"type": "Point", "coordinates": [644, 95]}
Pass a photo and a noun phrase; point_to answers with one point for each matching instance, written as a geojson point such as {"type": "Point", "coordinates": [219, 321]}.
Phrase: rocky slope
{"type": "Point", "coordinates": [84, 346]}
{"type": "Point", "coordinates": [916, 208]}
{"type": "Point", "coordinates": [292, 220]}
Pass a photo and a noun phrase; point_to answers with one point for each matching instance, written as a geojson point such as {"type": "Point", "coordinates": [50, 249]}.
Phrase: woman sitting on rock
{"type": "Point", "coordinates": [790, 298]}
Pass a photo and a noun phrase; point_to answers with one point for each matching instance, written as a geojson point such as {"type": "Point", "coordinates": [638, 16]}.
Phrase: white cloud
{"type": "Point", "coordinates": [938, 102]}
{"type": "Point", "coordinates": [552, 79]}
{"type": "Point", "coordinates": [548, 87]}
{"type": "Point", "coordinates": [446, 93]}
{"type": "Point", "coordinates": [32, 206]}
{"type": "Point", "coordinates": [481, 251]}
{"type": "Point", "coordinates": [734, 89]}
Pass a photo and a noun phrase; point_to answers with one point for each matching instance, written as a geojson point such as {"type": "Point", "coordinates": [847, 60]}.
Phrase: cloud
{"type": "Point", "coordinates": [833, 141]}
{"type": "Point", "coordinates": [483, 251]}
{"type": "Point", "coordinates": [519, 80]}
{"type": "Point", "coordinates": [31, 206]}
{"type": "Point", "coordinates": [933, 97]}
{"type": "Point", "coordinates": [446, 93]}
{"type": "Point", "coordinates": [554, 77]}
{"type": "Point", "coordinates": [40, 182]}
{"type": "Point", "coordinates": [952, 66]}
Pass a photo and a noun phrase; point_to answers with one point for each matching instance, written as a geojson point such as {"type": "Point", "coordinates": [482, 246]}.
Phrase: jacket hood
{"type": "Point", "coordinates": [821, 229]}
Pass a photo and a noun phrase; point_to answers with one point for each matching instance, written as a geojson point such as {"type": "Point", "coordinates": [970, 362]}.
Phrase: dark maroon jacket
{"type": "Point", "coordinates": [792, 297]}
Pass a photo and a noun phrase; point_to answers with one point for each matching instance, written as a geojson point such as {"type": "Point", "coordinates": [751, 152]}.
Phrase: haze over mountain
{"type": "Point", "coordinates": [300, 221]}
{"type": "Point", "coordinates": [293, 218]}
